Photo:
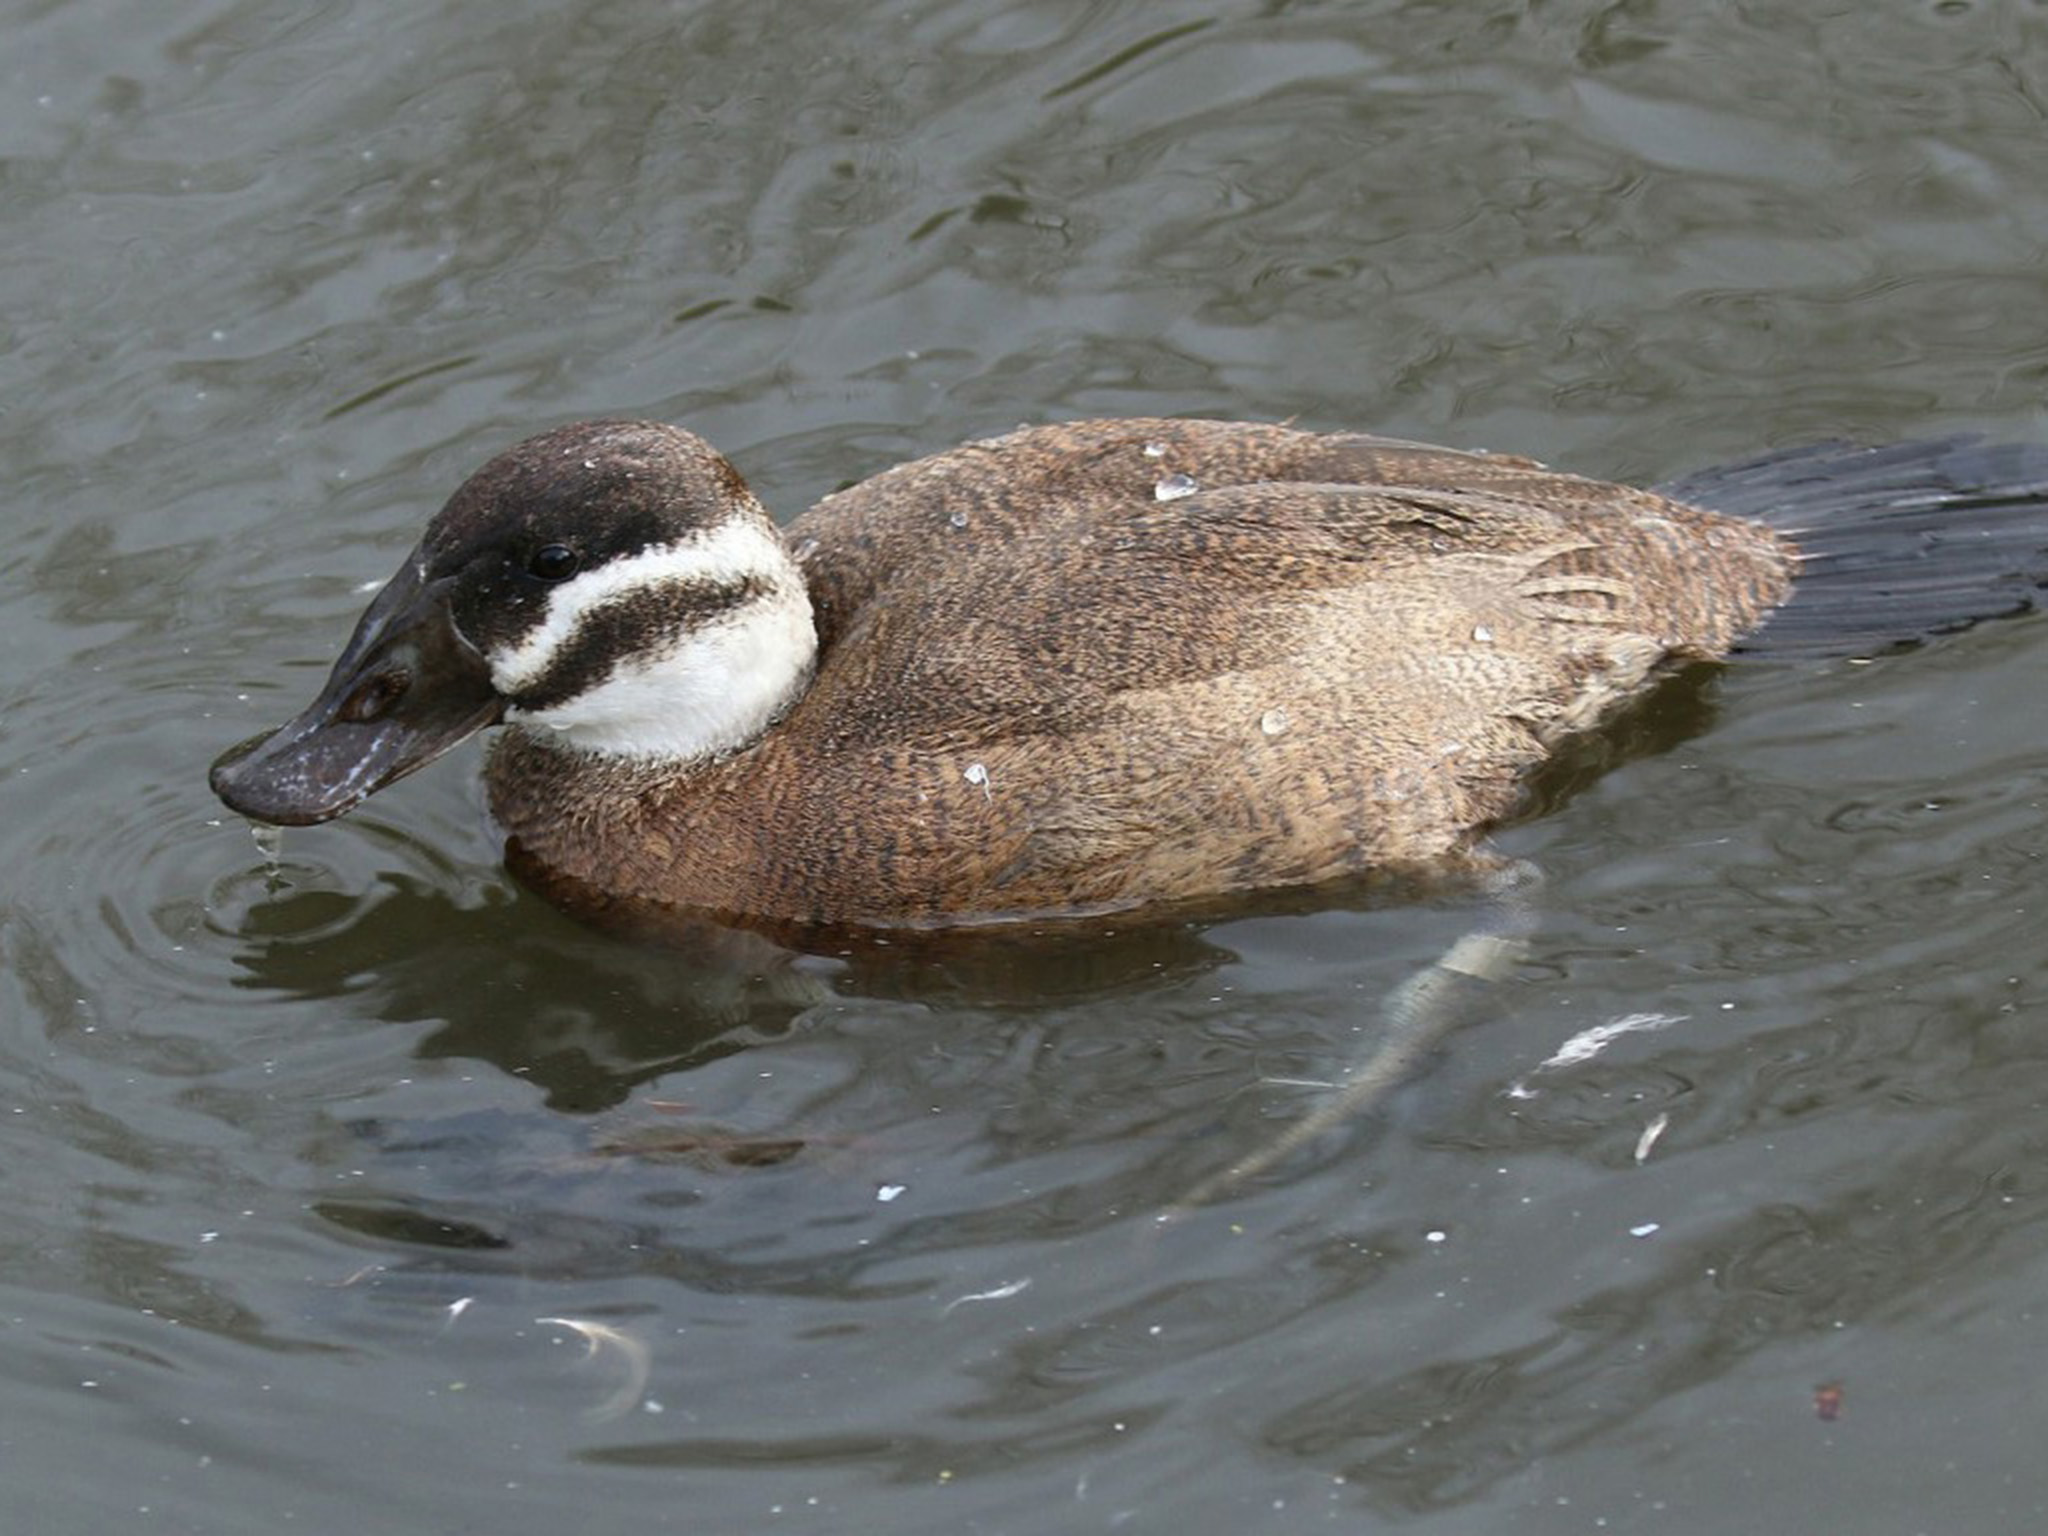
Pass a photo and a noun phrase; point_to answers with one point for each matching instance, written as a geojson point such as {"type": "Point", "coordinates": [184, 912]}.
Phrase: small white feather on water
{"type": "Point", "coordinates": [1588, 1043]}
{"type": "Point", "coordinates": [1650, 1134]}
{"type": "Point", "coordinates": [1001, 1292]}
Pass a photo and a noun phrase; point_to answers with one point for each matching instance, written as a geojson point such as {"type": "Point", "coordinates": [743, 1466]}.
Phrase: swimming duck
{"type": "Point", "coordinates": [1075, 669]}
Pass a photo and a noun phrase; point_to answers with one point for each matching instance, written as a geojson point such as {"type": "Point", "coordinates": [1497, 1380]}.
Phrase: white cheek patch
{"type": "Point", "coordinates": [705, 690]}
{"type": "Point", "coordinates": [720, 556]}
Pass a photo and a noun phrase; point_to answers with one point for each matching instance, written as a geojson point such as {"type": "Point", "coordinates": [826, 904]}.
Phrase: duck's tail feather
{"type": "Point", "coordinates": [1898, 544]}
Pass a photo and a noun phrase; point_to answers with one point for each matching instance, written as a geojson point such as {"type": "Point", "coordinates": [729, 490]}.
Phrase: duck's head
{"type": "Point", "coordinates": [611, 585]}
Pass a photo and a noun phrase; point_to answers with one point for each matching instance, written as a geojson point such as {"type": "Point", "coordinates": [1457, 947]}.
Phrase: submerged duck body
{"type": "Point", "coordinates": [1075, 669]}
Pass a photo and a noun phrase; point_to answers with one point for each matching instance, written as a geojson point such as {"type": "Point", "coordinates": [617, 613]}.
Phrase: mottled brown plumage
{"type": "Point", "coordinates": [1041, 688]}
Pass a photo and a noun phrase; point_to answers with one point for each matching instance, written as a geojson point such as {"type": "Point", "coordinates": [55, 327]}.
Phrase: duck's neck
{"type": "Point", "coordinates": [674, 656]}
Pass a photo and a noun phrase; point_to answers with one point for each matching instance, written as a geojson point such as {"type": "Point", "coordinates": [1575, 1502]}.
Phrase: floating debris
{"type": "Point", "coordinates": [977, 775]}
{"type": "Point", "coordinates": [601, 1336]}
{"type": "Point", "coordinates": [1002, 1292]}
{"type": "Point", "coordinates": [1588, 1043]}
{"type": "Point", "coordinates": [1650, 1134]}
{"type": "Point", "coordinates": [1300, 1082]}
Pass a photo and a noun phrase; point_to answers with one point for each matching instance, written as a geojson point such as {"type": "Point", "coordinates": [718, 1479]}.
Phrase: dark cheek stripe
{"type": "Point", "coordinates": [645, 621]}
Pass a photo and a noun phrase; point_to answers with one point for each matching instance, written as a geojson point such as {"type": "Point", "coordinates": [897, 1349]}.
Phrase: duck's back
{"type": "Point", "coordinates": [1106, 664]}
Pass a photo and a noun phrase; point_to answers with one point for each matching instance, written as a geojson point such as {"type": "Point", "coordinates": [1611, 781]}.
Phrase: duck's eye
{"type": "Point", "coordinates": [553, 562]}
{"type": "Point", "coordinates": [374, 698]}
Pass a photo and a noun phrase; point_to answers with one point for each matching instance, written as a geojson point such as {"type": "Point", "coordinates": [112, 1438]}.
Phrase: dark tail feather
{"type": "Point", "coordinates": [1899, 543]}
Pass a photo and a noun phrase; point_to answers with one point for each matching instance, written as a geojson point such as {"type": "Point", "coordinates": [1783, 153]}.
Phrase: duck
{"type": "Point", "coordinates": [1087, 668]}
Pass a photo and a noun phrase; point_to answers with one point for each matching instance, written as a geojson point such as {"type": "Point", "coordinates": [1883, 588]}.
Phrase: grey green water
{"type": "Point", "coordinates": [302, 1160]}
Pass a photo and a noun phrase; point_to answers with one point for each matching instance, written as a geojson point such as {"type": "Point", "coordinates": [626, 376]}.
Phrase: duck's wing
{"type": "Point", "coordinates": [907, 523]}
{"type": "Point", "coordinates": [1032, 577]}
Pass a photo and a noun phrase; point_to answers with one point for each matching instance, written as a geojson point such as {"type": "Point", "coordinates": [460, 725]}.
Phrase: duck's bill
{"type": "Point", "coordinates": [408, 688]}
